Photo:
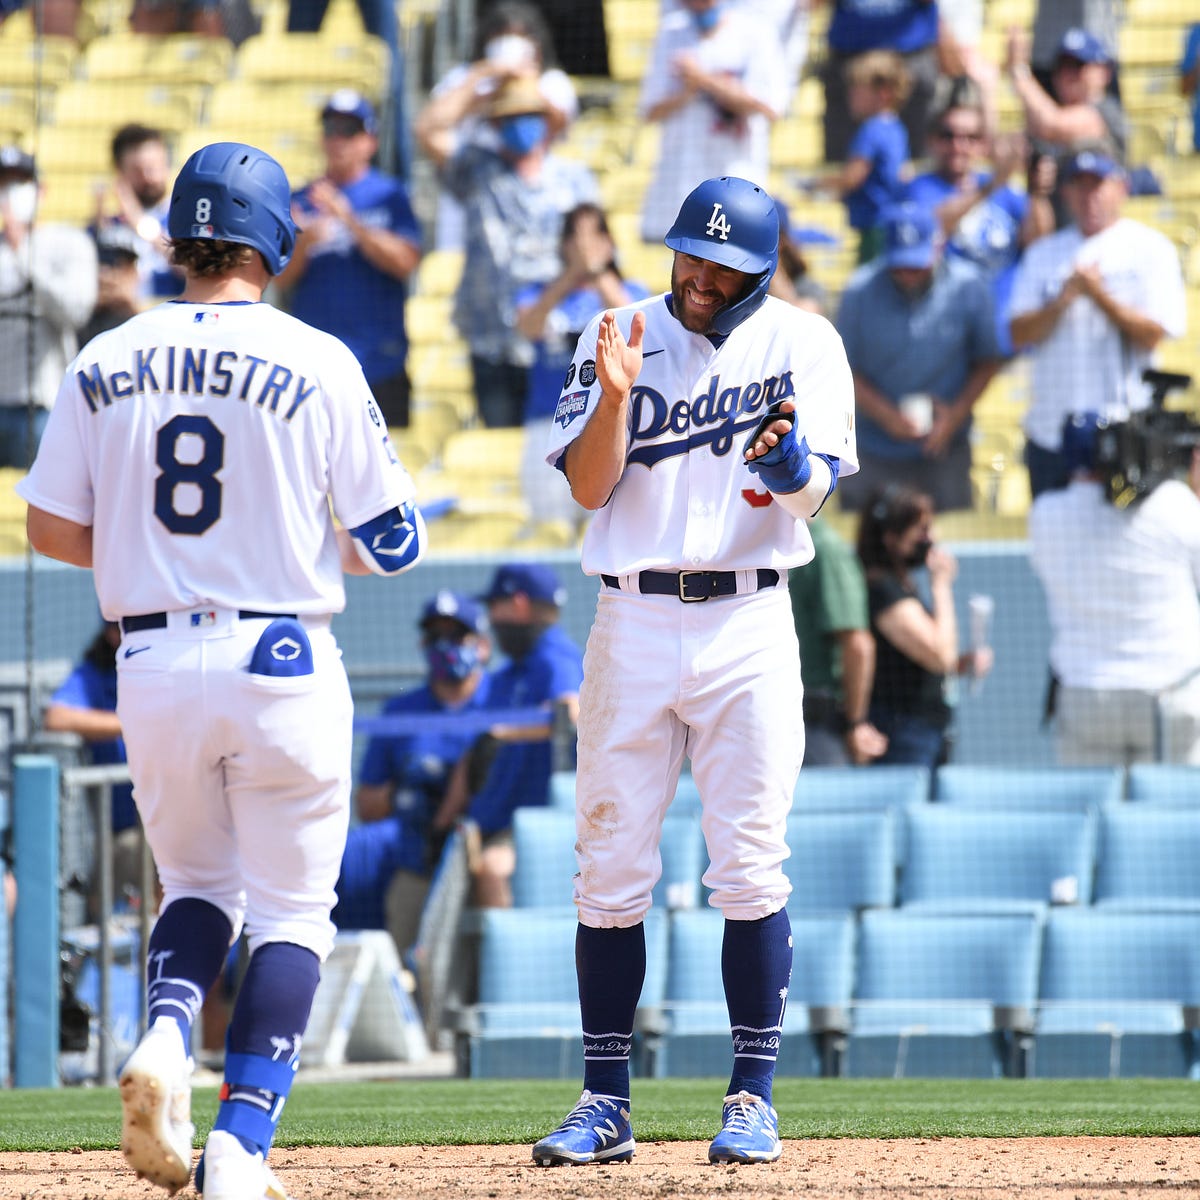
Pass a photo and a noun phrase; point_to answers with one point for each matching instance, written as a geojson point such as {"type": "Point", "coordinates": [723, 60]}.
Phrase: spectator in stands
{"type": "Point", "coordinates": [910, 28]}
{"type": "Point", "coordinates": [961, 55]}
{"type": "Point", "coordinates": [1053, 18]}
{"type": "Point", "coordinates": [715, 84]}
{"type": "Point", "coordinates": [921, 340]}
{"type": "Point", "coordinates": [1092, 301]}
{"type": "Point", "coordinates": [1121, 587]}
{"type": "Point", "coordinates": [1078, 106]}
{"type": "Point", "coordinates": [793, 281]}
{"type": "Point", "coordinates": [391, 853]}
{"type": "Point", "coordinates": [138, 198]}
{"type": "Point", "coordinates": [53, 18]}
{"type": "Point", "coordinates": [359, 244]}
{"type": "Point", "coordinates": [837, 653]}
{"type": "Point", "coordinates": [552, 316]}
{"type": "Point", "coordinates": [788, 21]}
{"type": "Point", "coordinates": [510, 765]}
{"type": "Point", "coordinates": [47, 292]}
{"type": "Point", "coordinates": [514, 199]}
{"type": "Point", "coordinates": [159, 17]}
{"type": "Point", "coordinates": [916, 639]}
{"type": "Point", "coordinates": [512, 38]}
{"type": "Point", "coordinates": [85, 704]}
{"type": "Point", "coordinates": [983, 219]}
{"type": "Point", "coordinates": [1189, 77]}
{"type": "Point", "coordinates": [872, 178]}
{"type": "Point", "coordinates": [117, 280]}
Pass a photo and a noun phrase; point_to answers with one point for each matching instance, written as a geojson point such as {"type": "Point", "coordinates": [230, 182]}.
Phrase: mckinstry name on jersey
{"type": "Point", "coordinates": [193, 371]}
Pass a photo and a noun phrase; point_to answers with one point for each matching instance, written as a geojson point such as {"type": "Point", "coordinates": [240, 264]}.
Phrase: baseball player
{"type": "Point", "coordinates": [703, 426]}
{"type": "Point", "coordinates": [190, 461]}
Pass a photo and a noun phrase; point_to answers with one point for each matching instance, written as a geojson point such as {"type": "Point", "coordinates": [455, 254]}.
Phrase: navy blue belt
{"type": "Point", "coordinates": [693, 586]}
{"type": "Point", "coordinates": [158, 620]}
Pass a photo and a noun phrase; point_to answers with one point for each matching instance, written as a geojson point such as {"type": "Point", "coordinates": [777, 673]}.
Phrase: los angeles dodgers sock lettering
{"type": "Point", "coordinates": [187, 949]}
{"type": "Point", "coordinates": [756, 966]}
{"type": "Point", "coordinates": [611, 967]}
{"type": "Point", "coordinates": [262, 1047]}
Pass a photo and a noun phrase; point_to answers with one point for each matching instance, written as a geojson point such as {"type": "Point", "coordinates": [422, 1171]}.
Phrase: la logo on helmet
{"type": "Point", "coordinates": [718, 224]}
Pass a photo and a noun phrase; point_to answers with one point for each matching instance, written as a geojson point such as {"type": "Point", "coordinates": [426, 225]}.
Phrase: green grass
{"type": "Point", "coordinates": [445, 1112]}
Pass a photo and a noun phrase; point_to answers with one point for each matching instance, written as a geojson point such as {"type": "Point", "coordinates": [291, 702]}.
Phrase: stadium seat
{"type": "Point", "coordinates": [861, 787]}
{"type": "Point", "coordinates": [176, 58]}
{"type": "Point", "coordinates": [544, 842]}
{"type": "Point", "coordinates": [526, 1023]}
{"type": "Point", "coordinates": [841, 860]}
{"type": "Point", "coordinates": [1164, 783]}
{"type": "Point", "coordinates": [1118, 994]}
{"type": "Point", "coordinates": [77, 151]}
{"type": "Point", "coordinates": [1038, 788]}
{"type": "Point", "coordinates": [956, 854]}
{"type": "Point", "coordinates": [43, 62]}
{"type": "Point", "coordinates": [18, 110]}
{"type": "Point", "coordinates": [107, 104]}
{"type": "Point", "coordinates": [1147, 857]}
{"type": "Point", "coordinates": [694, 1037]}
{"type": "Point", "coordinates": [360, 62]}
{"type": "Point", "coordinates": [942, 995]}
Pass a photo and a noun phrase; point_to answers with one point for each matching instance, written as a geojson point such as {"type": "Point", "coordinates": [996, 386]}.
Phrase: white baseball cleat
{"type": "Point", "coordinates": [231, 1172]}
{"type": "Point", "coordinates": [156, 1103]}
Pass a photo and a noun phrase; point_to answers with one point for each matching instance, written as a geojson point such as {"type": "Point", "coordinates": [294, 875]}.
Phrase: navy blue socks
{"type": "Point", "coordinates": [756, 966]}
{"type": "Point", "coordinates": [611, 966]}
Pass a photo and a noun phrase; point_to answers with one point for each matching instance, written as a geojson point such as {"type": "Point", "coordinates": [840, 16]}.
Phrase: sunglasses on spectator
{"type": "Point", "coordinates": [341, 127]}
{"type": "Point", "coordinates": [957, 135]}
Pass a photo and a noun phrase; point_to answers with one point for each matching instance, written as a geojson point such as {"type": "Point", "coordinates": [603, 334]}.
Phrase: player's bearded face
{"type": "Point", "coordinates": [701, 289]}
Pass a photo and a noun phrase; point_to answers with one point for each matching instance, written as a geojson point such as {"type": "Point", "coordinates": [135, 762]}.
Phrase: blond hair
{"type": "Point", "coordinates": [879, 69]}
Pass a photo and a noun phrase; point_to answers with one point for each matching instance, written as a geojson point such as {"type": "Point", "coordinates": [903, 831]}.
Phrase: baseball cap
{"type": "Point", "coordinates": [1092, 158]}
{"type": "Point", "coordinates": [911, 236]}
{"type": "Point", "coordinates": [348, 103]}
{"type": "Point", "coordinates": [535, 580]}
{"type": "Point", "coordinates": [1082, 46]}
{"type": "Point", "coordinates": [115, 244]}
{"type": "Point", "coordinates": [454, 606]}
{"type": "Point", "coordinates": [517, 96]}
{"type": "Point", "coordinates": [15, 161]}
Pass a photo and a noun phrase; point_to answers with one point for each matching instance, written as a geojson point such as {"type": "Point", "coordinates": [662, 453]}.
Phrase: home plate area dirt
{"type": "Point", "coordinates": [922, 1168]}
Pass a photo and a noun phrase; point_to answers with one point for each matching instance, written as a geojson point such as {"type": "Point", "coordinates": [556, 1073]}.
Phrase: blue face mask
{"type": "Point", "coordinates": [450, 661]}
{"type": "Point", "coordinates": [521, 133]}
{"type": "Point", "coordinates": [707, 18]}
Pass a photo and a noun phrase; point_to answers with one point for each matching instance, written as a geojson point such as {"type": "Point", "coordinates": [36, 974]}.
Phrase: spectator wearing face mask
{"type": "Point", "coordinates": [47, 292]}
{"type": "Point", "coordinates": [391, 853]}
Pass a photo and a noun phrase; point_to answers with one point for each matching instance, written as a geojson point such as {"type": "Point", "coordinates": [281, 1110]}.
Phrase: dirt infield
{"type": "Point", "coordinates": [923, 1168]}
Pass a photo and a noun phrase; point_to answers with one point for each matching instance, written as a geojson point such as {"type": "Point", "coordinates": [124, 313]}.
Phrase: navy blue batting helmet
{"type": "Point", "coordinates": [232, 192]}
{"type": "Point", "coordinates": [732, 222]}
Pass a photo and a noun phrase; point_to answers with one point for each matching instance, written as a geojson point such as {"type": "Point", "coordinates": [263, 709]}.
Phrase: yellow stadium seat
{"type": "Point", "coordinates": [362, 62]}
{"type": "Point", "coordinates": [1159, 12]}
{"type": "Point", "coordinates": [1149, 46]}
{"type": "Point", "coordinates": [12, 514]}
{"type": "Point", "coordinates": [495, 453]}
{"type": "Point", "coordinates": [18, 112]}
{"type": "Point", "coordinates": [109, 104]}
{"type": "Point", "coordinates": [440, 367]}
{"type": "Point", "coordinates": [43, 62]}
{"type": "Point", "coordinates": [253, 105]}
{"type": "Point", "coordinates": [439, 273]}
{"type": "Point", "coordinates": [631, 19]}
{"type": "Point", "coordinates": [427, 319]}
{"type": "Point", "coordinates": [296, 152]}
{"type": "Point", "coordinates": [59, 148]}
{"type": "Point", "coordinates": [69, 197]}
{"type": "Point", "coordinates": [628, 57]}
{"type": "Point", "coordinates": [797, 142]}
{"type": "Point", "coordinates": [622, 187]}
{"type": "Point", "coordinates": [177, 59]}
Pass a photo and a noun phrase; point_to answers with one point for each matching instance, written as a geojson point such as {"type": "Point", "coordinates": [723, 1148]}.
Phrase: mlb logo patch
{"type": "Point", "coordinates": [206, 318]}
{"type": "Point", "coordinates": [199, 620]}
{"type": "Point", "coordinates": [570, 407]}
{"type": "Point", "coordinates": [202, 231]}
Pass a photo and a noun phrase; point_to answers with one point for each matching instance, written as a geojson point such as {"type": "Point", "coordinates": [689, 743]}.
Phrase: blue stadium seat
{"type": "Point", "coordinates": [562, 790]}
{"type": "Point", "coordinates": [1148, 857]}
{"type": "Point", "coordinates": [1028, 787]}
{"type": "Point", "coordinates": [526, 1023]}
{"type": "Point", "coordinates": [544, 844]}
{"type": "Point", "coordinates": [1118, 994]}
{"type": "Point", "coordinates": [861, 787]}
{"type": "Point", "coordinates": [965, 853]}
{"type": "Point", "coordinates": [1165, 783]}
{"type": "Point", "coordinates": [694, 1037]}
{"type": "Point", "coordinates": [841, 859]}
{"type": "Point", "coordinates": [942, 995]}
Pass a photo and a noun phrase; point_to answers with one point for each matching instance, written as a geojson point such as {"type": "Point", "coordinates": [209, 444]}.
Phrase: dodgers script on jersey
{"type": "Point", "coordinates": [681, 439]}
{"type": "Point", "coordinates": [195, 402]}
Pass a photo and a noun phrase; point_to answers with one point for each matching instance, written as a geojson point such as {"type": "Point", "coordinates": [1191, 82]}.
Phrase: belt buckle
{"type": "Point", "coordinates": [683, 596]}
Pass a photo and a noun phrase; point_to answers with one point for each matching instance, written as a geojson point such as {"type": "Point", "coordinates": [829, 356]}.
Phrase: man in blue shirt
{"type": "Point", "coordinates": [1189, 70]}
{"type": "Point", "coordinates": [359, 243]}
{"type": "Point", "coordinates": [544, 670]}
{"type": "Point", "coordinates": [404, 774]}
{"type": "Point", "coordinates": [920, 337]}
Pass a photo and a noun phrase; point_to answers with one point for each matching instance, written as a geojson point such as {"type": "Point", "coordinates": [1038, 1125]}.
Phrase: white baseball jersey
{"type": "Point", "coordinates": [203, 443]}
{"type": "Point", "coordinates": [686, 500]}
{"type": "Point", "coordinates": [1085, 364]}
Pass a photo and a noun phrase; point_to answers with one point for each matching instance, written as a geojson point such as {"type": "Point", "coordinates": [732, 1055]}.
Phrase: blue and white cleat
{"type": "Point", "coordinates": [749, 1131]}
{"type": "Point", "coordinates": [596, 1130]}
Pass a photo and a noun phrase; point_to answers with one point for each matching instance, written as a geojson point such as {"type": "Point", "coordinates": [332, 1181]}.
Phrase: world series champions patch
{"type": "Point", "coordinates": [570, 407]}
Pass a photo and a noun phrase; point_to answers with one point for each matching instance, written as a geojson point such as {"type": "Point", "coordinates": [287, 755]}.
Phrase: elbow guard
{"type": "Point", "coordinates": [393, 541]}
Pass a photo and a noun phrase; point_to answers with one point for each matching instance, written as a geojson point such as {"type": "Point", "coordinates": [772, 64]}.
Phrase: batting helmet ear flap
{"type": "Point", "coordinates": [735, 223]}
{"type": "Point", "coordinates": [232, 192]}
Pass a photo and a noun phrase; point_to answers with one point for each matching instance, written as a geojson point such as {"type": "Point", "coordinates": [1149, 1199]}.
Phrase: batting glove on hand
{"type": "Point", "coordinates": [785, 467]}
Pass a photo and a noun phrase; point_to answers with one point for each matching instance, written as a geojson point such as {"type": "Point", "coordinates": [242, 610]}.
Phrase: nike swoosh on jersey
{"type": "Point", "coordinates": [135, 650]}
{"type": "Point", "coordinates": [648, 353]}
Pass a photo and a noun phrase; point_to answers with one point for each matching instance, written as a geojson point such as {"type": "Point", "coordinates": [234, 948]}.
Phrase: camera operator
{"type": "Point", "coordinates": [1121, 587]}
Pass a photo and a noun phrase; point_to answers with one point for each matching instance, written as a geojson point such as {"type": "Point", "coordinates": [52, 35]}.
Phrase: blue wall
{"type": "Point", "coordinates": [1000, 723]}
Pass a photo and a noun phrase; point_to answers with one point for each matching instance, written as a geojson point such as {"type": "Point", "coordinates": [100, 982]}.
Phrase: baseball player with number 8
{"type": "Point", "coordinates": [190, 460]}
{"type": "Point", "coordinates": [703, 426]}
